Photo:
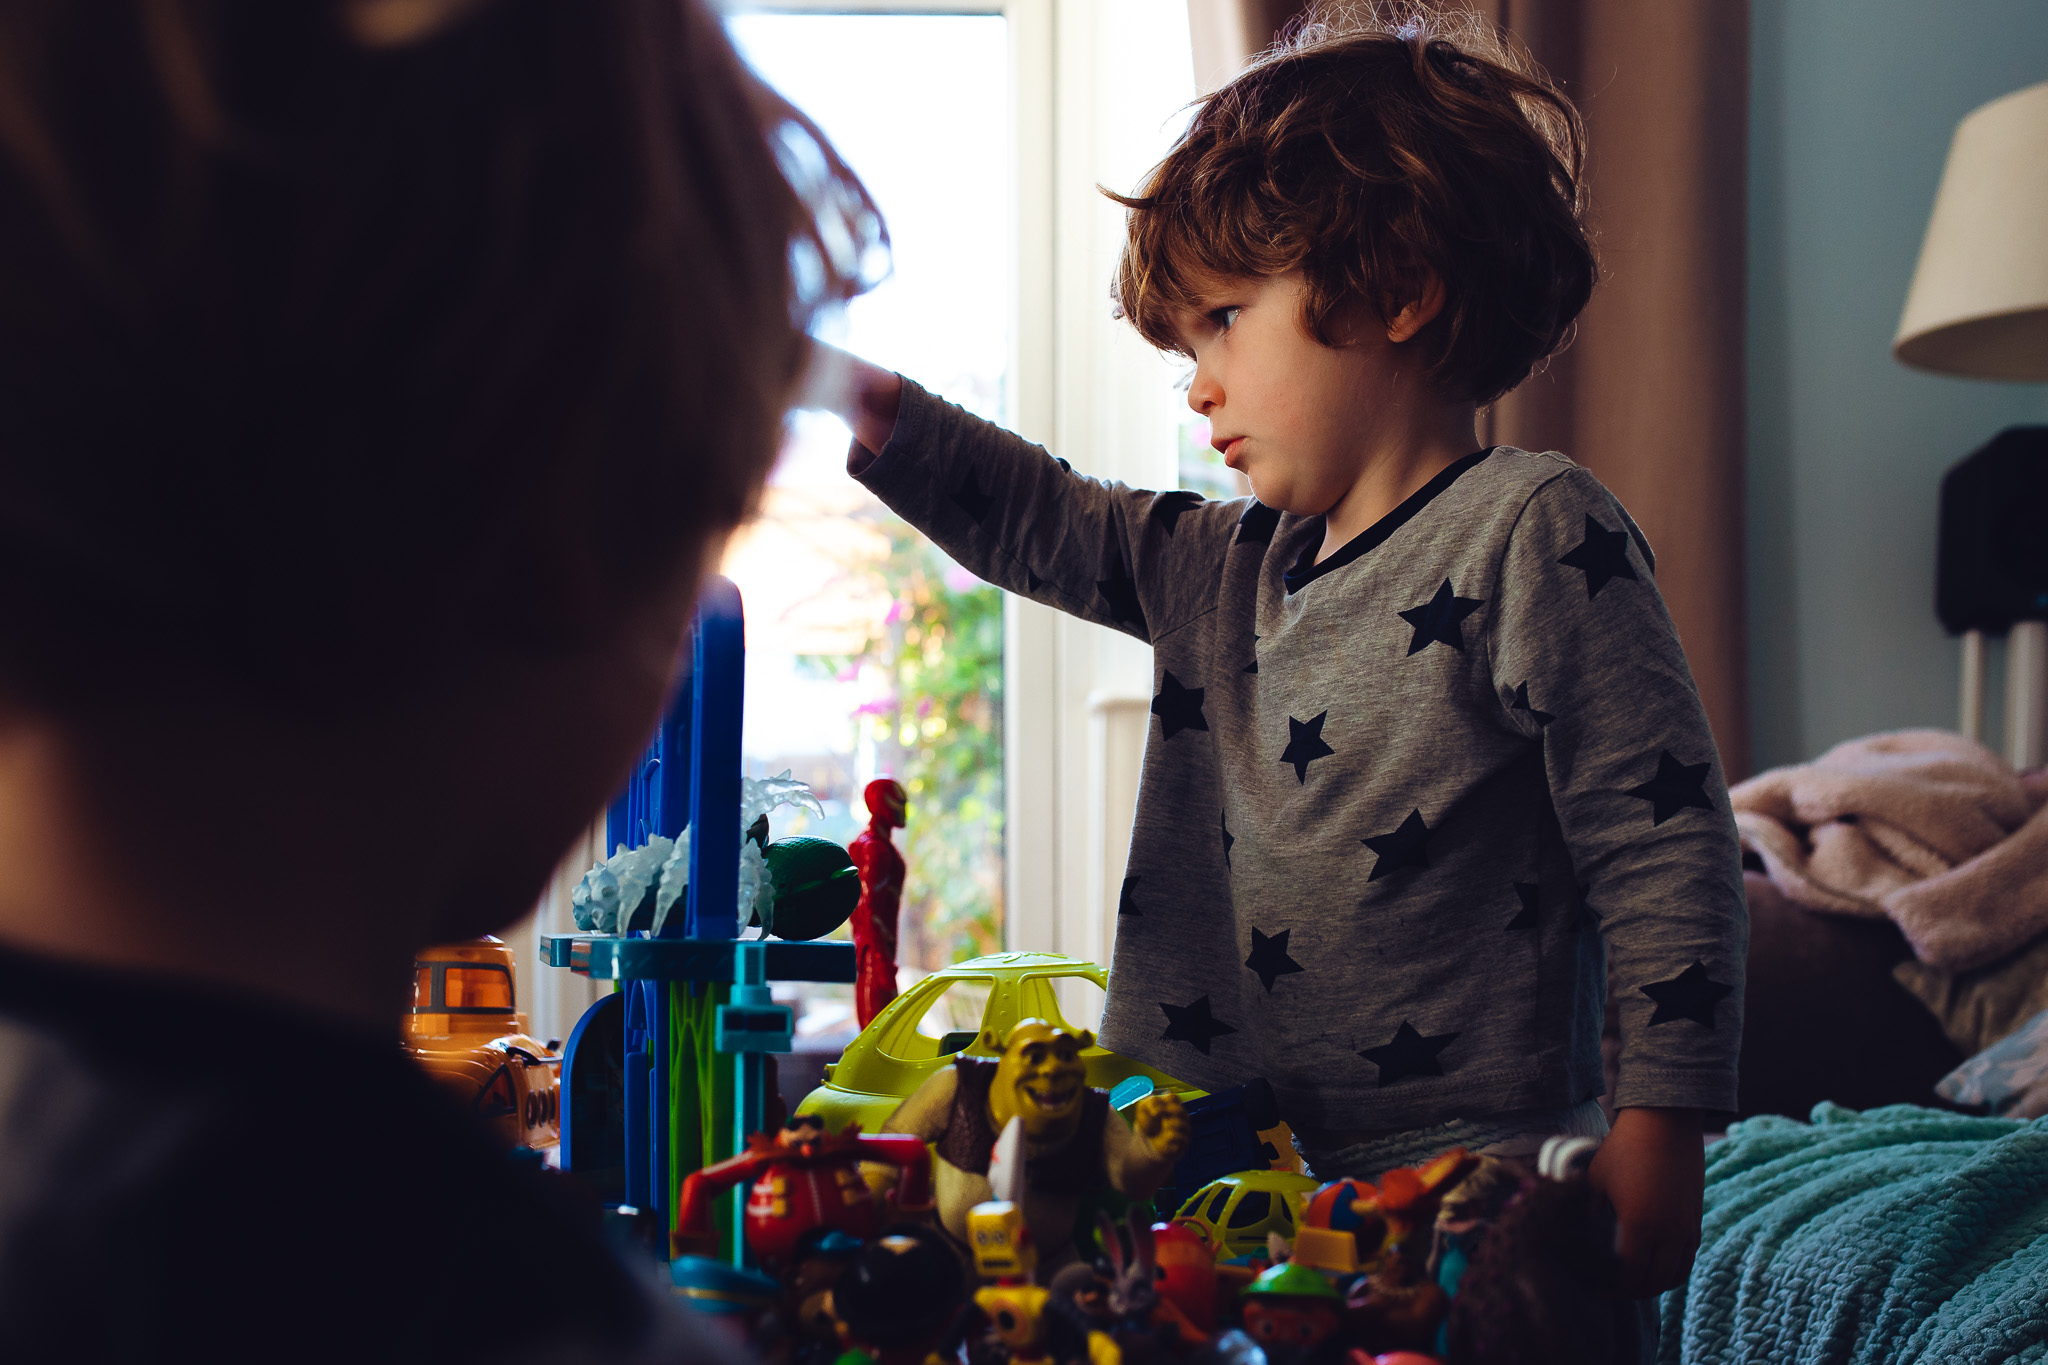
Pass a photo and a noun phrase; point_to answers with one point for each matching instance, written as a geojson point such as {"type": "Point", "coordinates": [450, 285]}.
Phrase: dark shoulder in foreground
{"type": "Point", "coordinates": [185, 1175]}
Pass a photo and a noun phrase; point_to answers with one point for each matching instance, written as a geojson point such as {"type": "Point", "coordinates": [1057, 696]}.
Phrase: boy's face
{"type": "Point", "coordinates": [1301, 420]}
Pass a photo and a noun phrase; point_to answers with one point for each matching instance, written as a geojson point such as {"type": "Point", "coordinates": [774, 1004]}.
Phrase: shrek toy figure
{"type": "Point", "coordinates": [1074, 1144]}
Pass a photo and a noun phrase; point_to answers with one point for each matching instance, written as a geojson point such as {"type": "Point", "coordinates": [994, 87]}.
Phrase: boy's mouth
{"type": "Point", "coordinates": [1229, 446]}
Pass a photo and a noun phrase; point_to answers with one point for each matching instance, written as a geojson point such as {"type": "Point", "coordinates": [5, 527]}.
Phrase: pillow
{"type": "Point", "coordinates": [2011, 1076]}
{"type": "Point", "coordinates": [1977, 1008]}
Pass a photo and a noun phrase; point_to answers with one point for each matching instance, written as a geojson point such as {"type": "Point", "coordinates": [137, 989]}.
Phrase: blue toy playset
{"type": "Point", "coordinates": [667, 1075]}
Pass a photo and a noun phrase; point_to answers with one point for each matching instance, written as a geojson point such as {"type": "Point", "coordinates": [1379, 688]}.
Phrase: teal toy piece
{"type": "Point", "coordinates": [752, 1021]}
{"type": "Point", "coordinates": [721, 1290]}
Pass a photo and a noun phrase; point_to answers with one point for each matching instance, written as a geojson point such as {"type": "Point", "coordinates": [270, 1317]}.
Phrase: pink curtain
{"type": "Point", "coordinates": [1650, 395]}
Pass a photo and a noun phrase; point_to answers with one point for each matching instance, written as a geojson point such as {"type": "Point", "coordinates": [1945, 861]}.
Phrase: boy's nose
{"type": "Point", "coordinates": [1204, 392]}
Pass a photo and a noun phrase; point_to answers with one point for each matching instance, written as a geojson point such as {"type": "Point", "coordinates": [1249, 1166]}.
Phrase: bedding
{"type": "Point", "coordinates": [2010, 1077]}
{"type": "Point", "coordinates": [1899, 1234]}
{"type": "Point", "coordinates": [1924, 827]}
{"type": "Point", "coordinates": [1977, 1008]}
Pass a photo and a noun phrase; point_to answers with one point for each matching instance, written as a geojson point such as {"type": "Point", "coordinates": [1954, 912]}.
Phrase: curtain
{"type": "Point", "coordinates": [1650, 394]}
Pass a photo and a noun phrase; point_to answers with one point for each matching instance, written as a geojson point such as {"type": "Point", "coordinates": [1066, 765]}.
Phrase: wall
{"type": "Point", "coordinates": [1852, 108]}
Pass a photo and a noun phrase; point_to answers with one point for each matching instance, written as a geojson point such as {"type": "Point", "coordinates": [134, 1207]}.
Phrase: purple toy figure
{"type": "Point", "coordinates": [881, 894]}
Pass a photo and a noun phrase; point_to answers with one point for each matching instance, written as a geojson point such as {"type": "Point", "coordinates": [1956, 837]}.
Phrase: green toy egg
{"type": "Point", "coordinates": [816, 886]}
{"type": "Point", "coordinates": [1288, 1280]}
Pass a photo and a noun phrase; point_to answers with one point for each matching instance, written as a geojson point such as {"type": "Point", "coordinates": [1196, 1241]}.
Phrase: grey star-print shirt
{"type": "Point", "coordinates": [1403, 812]}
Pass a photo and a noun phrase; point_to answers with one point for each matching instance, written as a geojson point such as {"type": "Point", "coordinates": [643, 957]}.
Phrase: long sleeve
{"type": "Point", "coordinates": [1140, 562]}
{"type": "Point", "coordinates": [1585, 660]}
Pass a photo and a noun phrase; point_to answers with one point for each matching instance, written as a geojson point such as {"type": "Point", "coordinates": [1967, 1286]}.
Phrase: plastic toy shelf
{"type": "Point", "coordinates": [609, 958]}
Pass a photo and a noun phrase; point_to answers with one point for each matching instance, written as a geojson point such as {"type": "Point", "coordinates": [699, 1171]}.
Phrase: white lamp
{"type": "Point", "coordinates": [1978, 307]}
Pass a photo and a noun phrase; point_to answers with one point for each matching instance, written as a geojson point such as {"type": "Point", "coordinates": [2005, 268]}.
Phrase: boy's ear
{"type": "Point", "coordinates": [1420, 310]}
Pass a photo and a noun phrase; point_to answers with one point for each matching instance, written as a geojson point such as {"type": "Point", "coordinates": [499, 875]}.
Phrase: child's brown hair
{"type": "Point", "coordinates": [1363, 151]}
{"type": "Point", "coordinates": [342, 337]}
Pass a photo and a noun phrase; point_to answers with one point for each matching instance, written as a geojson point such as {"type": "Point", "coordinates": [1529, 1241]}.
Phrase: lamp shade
{"type": "Point", "coordinates": [1978, 305]}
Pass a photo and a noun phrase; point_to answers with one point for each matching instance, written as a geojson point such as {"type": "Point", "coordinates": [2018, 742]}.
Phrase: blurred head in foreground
{"type": "Point", "coordinates": [377, 379]}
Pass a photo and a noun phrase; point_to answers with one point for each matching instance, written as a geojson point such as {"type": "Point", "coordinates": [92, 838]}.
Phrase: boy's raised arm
{"type": "Point", "coordinates": [1136, 561]}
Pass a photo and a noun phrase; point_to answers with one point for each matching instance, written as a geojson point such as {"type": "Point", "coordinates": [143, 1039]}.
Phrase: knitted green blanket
{"type": "Point", "coordinates": [1897, 1234]}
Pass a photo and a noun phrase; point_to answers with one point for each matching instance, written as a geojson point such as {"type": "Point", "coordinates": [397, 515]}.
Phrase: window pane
{"type": "Point", "coordinates": [1251, 1209]}
{"type": "Point", "coordinates": [958, 1009]}
{"type": "Point", "coordinates": [478, 988]}
{"type": "Point", "coordinates": [869, 652]}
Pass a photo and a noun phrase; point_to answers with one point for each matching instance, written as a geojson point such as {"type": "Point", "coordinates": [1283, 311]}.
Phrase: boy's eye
{"type": "Point", "coordinates": [1225, 318]}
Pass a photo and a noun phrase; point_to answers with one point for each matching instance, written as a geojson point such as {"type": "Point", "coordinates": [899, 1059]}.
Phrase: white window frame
{"type": "Point", "coordinates": [1077, 696]}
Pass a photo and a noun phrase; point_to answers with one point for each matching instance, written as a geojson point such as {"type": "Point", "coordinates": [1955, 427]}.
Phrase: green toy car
{"type": "Point", "coordinates": [955, 1010]}
{"type": "Point", "coordinates": [1235, 1212]}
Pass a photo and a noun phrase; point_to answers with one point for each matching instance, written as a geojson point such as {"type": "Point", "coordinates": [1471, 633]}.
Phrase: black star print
{"type": "Point", "coordinates": [1121, 596]}
{"type": "Point", "coordinates": [1584, 916]}
{"type": "Point", "coordinates": [1410, 1054]}
{"type": "Point", "coordinates": [1305, 745]}
{"type": "Point", "coordinates": [1603, 554]}
{"type": "Point", "coordinates": [1437, 620]}
{"type": "Point", "coordinates": [1257, 525]}
{"type": "Point", "coordinates": [1253, 666]}
{"type": "Point", "coordinates": [1063, 464]}
{"type": "Point", "coordinates": [1178, 708]}
{"type": "Point", "coordinates": [1193, 1024]}
{"type": "Point", "coordinates": [1127, 900]}
{"type": "Point", "coordinates": [1269, 958]}
{"type": "Point", "coordinates": [1676, 787]}
{"type": "Point", "coordinates": [1168, 507]}
{"type": "Point", "coordinates": [970, 498]}
{"type": "Point", "coordinates": [1528, 917]}
{"type": "Point", "coordinates": [1692, 994]}
{"type": "Point", "coordinates": [1228, 838]}
{"type": "Point", "coordinates": [1405, 847]}
{"type": "Point", "coordinates": [1032, 581]}
{"type": "Point", "coordinates": [1521, 703]}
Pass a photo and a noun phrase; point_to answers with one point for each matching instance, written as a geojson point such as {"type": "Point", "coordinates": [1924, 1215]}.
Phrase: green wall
{"type": "Point", "coordinates": [1852, 106]}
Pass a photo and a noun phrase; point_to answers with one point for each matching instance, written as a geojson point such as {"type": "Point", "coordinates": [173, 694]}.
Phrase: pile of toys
{"type": "Point", "coordinates": [967, 1197]}
{"type": "Point", "coordinates": [862, 1257]}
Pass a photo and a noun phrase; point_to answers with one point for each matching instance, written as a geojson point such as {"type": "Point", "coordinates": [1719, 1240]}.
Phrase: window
{"type": "Point", "coordinates": [869, 652]}
{"type": "Point", "coordinates": [1003, 253]}
{"type": "Point", "coordinates": [983, 131]}
{"type": "Point", "coordinates": [951, 1021]}
{"type": "Point", "coordinates": [1251, 1209]}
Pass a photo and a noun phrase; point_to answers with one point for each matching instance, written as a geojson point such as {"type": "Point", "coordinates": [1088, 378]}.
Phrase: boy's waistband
{"type": "Point", "coordinates": [1332, 1155]}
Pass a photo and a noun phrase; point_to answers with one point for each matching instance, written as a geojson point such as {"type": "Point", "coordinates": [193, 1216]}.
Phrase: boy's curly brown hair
{"type": "Point", "coordinates": [1364, 150]}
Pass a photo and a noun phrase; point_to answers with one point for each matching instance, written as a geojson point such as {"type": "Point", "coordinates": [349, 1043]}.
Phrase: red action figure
{"type": "Point", "coordinates": [805, 1178]}
{"type": "Point", "coordinates": [881, 894]}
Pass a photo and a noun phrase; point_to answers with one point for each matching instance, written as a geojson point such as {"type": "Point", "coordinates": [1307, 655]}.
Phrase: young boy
{"type": "Point", "coordinates": [1429, 767]}
{"type": "Point", "coordinates": [343, 347]}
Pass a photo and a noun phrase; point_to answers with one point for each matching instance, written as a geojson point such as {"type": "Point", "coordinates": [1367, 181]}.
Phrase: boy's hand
{"type": "Point", "coordinates": [1653, 1169]}
{"type": "Point", "coordinates": [863, 396]}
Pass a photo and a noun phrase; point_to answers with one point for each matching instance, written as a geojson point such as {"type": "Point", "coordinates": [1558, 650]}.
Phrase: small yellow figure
{"type": "Point", "coordinates": [1000, 1241]}
{"type": "Point", "coordinates": [1016, 1314]}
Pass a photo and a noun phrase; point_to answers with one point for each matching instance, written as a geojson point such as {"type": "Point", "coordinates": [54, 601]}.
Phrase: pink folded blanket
{"type": "Point", "coordinates": [1926, 827]}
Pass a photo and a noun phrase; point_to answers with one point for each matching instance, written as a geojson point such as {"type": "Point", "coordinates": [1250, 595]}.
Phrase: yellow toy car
{"type": "Point", "coordinates": [1235, 1212]}
{"type": "Point", "coordinates": [954, 1010]}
